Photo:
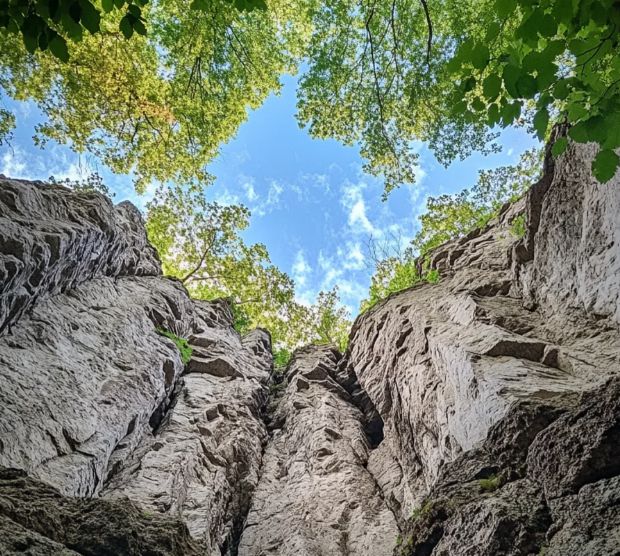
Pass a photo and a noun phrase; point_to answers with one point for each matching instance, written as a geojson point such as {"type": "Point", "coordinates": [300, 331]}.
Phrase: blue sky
{"type": "Point", "coordinates": [311, 203]}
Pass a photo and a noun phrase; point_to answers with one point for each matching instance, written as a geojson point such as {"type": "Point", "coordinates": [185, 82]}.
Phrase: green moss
{"type": "Point", "coordinates": [184, 348]}
{"type": "Point", "coordinates": [490, 484]}
{"type": "Point", "coordinates": [423, 510]}
{"type": "Point", "coordinates": [517, 227]}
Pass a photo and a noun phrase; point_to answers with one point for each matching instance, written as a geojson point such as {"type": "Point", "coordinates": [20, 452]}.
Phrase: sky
{"type": "Point", "coordinates": [312, 205]}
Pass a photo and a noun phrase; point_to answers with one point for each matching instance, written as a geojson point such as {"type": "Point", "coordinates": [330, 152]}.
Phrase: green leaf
{"type": "Point", "coordinates": [527, 86]}
{"type": "Point", "coordinates": [138, 27]}
{"type": "Point", "coordinates": [510, 76]}
{"type": "Point", "coordinates": [477, 105]}
{"type": "Point", "coordinates": [493, 116]}
{"type": "Point", "coordinates": [31, 41]}
{"type": "Point", "coordinates": [503, 8]}
{"type": "Point", "coordinates": [605, 164]}
{"type": "Point", "coordinates": [58, 47]}
{"type": "Point", "coordinates": [91, 19]}
{"type": "Point", "coordinates": [468, 84]}
{"type": "Point", "coordinates": [126, 27]}
{"type": "Point", "coordinates": [491, 86]}
{"type": "Point", "coordinates": [480, 56]}
{"type": "Point", "coordinates": [492, 31]}
{"type": "Point", "coordinates": [510, 113]}
{"type": "Point", "coordinates": [541, 122]}
{"type": "Point", "coordinates": [75, 12]}
{"type": "Point", "coordinates": [546, 75]}
{"type": "Point", "coordinates": [73, 29]}
{"type": "Point", "coordinates": [559, 147]}
{"type": "Point", "coordinates": [561, 89]}
{"type": "Point", "coordinates": [548, 27]}
{"type": "Point", "coordinates": [107, 5]}
{"type": "Point", "coordinates": [579, 133]}
{"type": "Point", "coordinates": [612, 135]}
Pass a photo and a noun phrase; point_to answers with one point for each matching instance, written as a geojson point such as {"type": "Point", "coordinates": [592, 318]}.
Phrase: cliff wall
{"type": "Point", "coordinates": [476, 416]}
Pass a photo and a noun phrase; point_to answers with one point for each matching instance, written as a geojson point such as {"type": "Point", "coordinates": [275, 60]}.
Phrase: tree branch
{"type": "Point", "coordinates": [429, 24]}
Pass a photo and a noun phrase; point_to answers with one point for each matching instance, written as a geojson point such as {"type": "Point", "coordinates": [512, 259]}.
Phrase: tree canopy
{"type": "Point", "coordinates": [200, 243]}
{"type": "Point", "coordinates": [155, 88]}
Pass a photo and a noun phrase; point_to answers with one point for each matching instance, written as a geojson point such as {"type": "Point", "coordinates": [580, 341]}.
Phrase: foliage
{"type": "Point", "coordinates": [281, 358]}
{"type": "Point", "coordinates": [387, 73]}
{"type": "Point", "coordinates": [200, 243]}
{"type": "Point", "coordinates": [7, 124]}
{"type": "Point", "coordinates": [46, 24]}
{"type": "Point", "coordinates": [183, 346]}
{"type": "Point", "coordinates": [543, 60]}
{"type": "Point", "coordinates": [517, 226]}
{"type": "Point", "coordinates": [448, 217]}
{"type": "Point", "coordinates": [371, 79]}
{"type": "Point", "coordinates": [93, 182]}
{"type": "Point", "coordinates": [379, 74]}
{"type": "Point", "coordinates": [451, 216]}
{"type": "Point", "coordinates": [490, 484]}
{"type": "Point", "coordinates": [329, 321]}
{"type": "Point", "coordinates": [158, 107]}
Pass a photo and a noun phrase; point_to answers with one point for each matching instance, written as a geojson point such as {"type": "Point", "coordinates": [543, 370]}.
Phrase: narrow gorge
{"type": "Point", "coordinates": [479, 415]}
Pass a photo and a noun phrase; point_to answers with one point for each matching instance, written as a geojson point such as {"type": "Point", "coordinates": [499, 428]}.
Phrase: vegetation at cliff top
{"type": "Point", "coordinates": [449, 217]}
{"type": "Point", "coordinates": [200, 243]}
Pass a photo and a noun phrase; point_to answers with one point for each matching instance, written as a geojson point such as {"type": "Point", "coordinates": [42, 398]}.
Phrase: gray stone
{"type": "Point", "coordinates": [54, 238]}
{"type": "Point", "coordinates": [315, 496]}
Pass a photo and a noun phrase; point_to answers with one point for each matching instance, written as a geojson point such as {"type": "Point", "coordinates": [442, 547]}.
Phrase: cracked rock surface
{"type": "Point", "coordinates": [315, 495]}
{"type": "Point", "coordinates": [478, 416]}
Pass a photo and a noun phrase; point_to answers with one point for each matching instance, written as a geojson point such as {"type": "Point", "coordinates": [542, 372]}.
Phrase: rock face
{"type": "Point", "coordinates": [476, 416]}
{"type": "Point", "coordinates": [96, 403]}
{"type": "Point", "coordinates": [497, 386]}
{"type": "Point", "coordinates": [54, 239]}
{"type": "Point", "coordinates": [316, 495]}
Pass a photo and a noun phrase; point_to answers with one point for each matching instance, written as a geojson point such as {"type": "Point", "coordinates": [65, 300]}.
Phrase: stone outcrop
{"type": "Point", "coordinates": [54, 239]}
{"type": "Point", "coordinates": [479, 415]}
{"type": "Point", "coordinates": [96, 403]}
{"type": "Point", "coordinates": [316, 495]}
{"type": "Point", "coordinates": [497, 385]}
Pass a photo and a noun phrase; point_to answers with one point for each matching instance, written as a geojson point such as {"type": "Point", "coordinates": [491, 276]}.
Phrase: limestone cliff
{"type": "Point", "coordinates": [476, 416]}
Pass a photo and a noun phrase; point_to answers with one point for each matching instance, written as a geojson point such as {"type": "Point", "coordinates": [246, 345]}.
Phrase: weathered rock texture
{"type": "Point", "coordinates": [476, 416]}
{"type": "Point", "coordinates": [315, 495]}
{"type": "Point", "coordinates": [54, 239]}
{"type": "Point", "coordinates": [498, 385]}
{"type": "Point", "coordinates": [97, 404]}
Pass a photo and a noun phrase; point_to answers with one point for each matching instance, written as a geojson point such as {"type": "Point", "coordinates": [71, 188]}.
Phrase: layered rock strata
{"type": "Point", "coordinates": [96, 402]}
{"type": "Point", "coordinates": [316, 495]}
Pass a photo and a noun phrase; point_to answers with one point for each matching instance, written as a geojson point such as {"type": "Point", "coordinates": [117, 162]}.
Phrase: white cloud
{"type": "Point", "coordinates": [352, 256]}
{"type": "Point", "coordinates": [300, 269]}
{"type": "Point", "coordinates": [14, 164]}
{"type": "Point", "coordinates": [265, 205]}
{"type": "Point", "coordinates": [353, 200]}
{"type": "Point", "coordinates": [250, 192]}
